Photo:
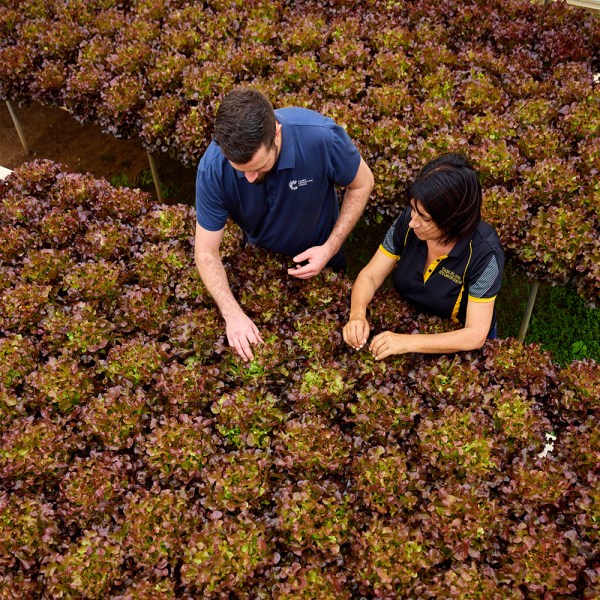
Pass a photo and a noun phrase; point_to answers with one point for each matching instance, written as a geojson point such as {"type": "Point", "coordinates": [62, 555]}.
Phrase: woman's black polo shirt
{"type": "Point", "coordinates": [471, 271]}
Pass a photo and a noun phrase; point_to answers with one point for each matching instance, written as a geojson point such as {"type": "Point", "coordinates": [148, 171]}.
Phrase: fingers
{"type": "Point", "coordinates": [303, 272]}
{"type": "Point", "coordinates": [375, 345]}
{"type": "Point", "coordinates": [381, 345]}
{"type": "Point", "coordinates": [356, 333]}
{"type": "Point", "coordinates": [351, 339]}
{"type": "Point", "coordinates": [348, 335]}
{"type": "Point", "coordinates": [257, 335]}
{"type": "Point", "coordinates": [242, 348]}
{"type": "Point", "coordinates": [241, 342]}
{"type": "Point", "coordinates": [306, 255]}
{"type": "Point", "coordinates": [314, 259]}
{"type": "Point", "coordinates": [304, 267]}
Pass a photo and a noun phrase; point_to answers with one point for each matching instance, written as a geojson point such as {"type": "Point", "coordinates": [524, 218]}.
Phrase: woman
{"type": "Point", "coordinates": [445, 260]}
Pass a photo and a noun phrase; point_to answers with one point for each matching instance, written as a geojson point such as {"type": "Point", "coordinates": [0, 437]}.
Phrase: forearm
{"type": "Point", "coordinates": [214, 277]}
{"type": "Point", "coordinates": [242, 333]}
{"type": "Point", "coordinates": [388, 343]}
{"type": "Point", "coordinates": [317, 257]}
{"type": "Point", "coordinates": [471, 337]}
{"type": "Point", "coordinates": [363, 290]}
{"type": "Point", "coordinates": [369, 280]}
{"type": "Point", "coordinates": [351, 210]}
{"type": "Point", "coordinates": [442, 343]}
{"type": "Point", "coordinates": [355, 199]}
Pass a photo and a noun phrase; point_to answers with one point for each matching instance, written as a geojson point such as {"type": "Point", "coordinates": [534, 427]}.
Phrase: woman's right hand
{"type": "Point", "coordinates": [356, 332]}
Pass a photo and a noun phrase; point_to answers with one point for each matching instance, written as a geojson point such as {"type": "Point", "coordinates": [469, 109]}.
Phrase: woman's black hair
{"type": "Point", "coordinates": [245, 121]}
{"type": "Point", "coordinates": [448, 189]}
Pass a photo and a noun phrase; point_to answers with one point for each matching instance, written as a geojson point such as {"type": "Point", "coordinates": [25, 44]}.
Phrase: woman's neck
{"type": "Point", "coordinates": [435, 249]}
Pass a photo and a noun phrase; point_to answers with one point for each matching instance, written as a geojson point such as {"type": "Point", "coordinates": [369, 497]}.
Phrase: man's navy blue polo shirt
{"type": "Point", "coordinates": [471, 271]}
{"type": "Point", "coordinates": [297, 206]}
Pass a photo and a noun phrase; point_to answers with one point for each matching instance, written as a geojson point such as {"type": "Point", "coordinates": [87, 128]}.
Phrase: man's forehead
{"type": "Point", "coordinates": [259, 161]}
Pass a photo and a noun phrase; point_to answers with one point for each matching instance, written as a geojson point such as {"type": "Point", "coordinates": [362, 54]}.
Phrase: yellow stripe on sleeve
{"type": "Point", "coordinates": [388, 253]}
{"type": "Point", "coordinates": [481, 300]}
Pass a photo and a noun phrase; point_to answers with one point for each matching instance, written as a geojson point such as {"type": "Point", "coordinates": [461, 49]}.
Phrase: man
{"type": "Point", "coordinates": [274, 173]}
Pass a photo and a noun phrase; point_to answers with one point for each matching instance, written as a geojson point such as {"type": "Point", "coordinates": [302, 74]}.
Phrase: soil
{"type": "Point", "coordinates": [52, 133]}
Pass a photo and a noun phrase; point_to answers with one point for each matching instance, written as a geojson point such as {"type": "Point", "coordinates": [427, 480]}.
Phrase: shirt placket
{"type": "Point", "coordinates": [432, 267]}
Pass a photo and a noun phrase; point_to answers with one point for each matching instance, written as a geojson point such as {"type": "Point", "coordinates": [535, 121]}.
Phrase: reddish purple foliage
{"type": "Point", "coordinates": [140, 457]}
{"type": "Point", "coordinates": [510, 83]}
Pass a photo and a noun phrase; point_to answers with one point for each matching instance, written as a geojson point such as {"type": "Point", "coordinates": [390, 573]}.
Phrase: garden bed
{"type": "Point", "coordinates": [139, 457]}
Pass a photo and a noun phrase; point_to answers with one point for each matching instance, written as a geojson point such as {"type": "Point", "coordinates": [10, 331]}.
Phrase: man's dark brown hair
{"type": "Point", "coordinates": [245, 121]}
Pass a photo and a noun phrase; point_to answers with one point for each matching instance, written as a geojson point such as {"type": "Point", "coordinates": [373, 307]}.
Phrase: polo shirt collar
{"type": "Point", "coordinates": [460, 247]}
{"type": "Point", "coordinates": [287, 155]}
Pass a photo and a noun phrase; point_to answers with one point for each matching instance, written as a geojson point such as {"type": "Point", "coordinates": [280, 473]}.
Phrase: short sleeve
{"type": "Point", "coordinates": [485, 276]}
{"type": "Point", "coordinates": [388, 247]}
{"type": "Point", "coordinates": [395, 238]}
{"type": "Point", "coordinates": [211, 212]}
{"type": "Point", "coordinates": [344, 157]}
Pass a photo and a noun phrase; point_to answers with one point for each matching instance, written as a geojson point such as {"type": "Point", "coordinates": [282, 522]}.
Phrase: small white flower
{"type": "Point", "coordinates": [548, 447]}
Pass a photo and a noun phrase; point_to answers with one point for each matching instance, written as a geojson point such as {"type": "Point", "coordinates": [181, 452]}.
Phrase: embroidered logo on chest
{"type": "Point", "coordinates": [294, 184]}
{"type": "Point", "coordinates": [451, 275]}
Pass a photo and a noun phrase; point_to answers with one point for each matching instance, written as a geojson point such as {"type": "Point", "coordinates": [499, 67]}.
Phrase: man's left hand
{"type": "Point", "coordinates": [315, 258]}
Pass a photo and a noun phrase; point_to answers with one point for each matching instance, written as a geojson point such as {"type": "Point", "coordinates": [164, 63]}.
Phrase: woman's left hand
{"type": "Point", "coordinates": [388, 343]}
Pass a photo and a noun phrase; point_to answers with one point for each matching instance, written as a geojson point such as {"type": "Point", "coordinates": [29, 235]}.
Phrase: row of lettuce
{"type": "Point", "coordinates": [139, 458]}
{"type": "Point", "coordinates": [510, 83]}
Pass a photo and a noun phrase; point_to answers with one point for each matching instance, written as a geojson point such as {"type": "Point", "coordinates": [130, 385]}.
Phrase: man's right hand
{"type": "Point", "coordinates": [241, 332]}
{"type": "Point", "coordinates": [356, 332]}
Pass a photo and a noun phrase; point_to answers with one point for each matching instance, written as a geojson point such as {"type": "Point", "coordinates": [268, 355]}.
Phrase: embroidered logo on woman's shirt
{"type": "Point", "coordinates": [451, 275]}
